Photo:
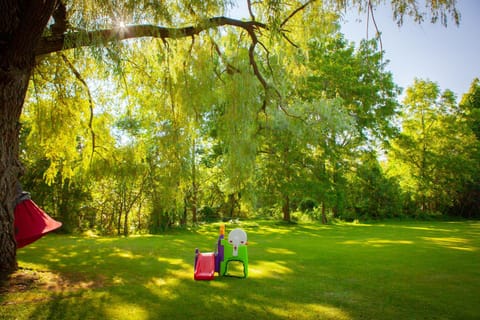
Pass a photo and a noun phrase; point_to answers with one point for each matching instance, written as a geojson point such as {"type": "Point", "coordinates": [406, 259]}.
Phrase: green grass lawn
{"type": "Point", "coordinates": [394, 270]}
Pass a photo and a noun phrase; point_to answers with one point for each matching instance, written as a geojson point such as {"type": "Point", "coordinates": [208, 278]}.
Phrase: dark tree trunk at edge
{"type": "Point", "coordinates": [13, 85]}
{"type": "Point", "coordinates": [21, 26]}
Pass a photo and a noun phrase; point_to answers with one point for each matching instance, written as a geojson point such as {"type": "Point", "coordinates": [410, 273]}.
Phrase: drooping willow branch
{"type": "Point", "coordinates": [49, 44]}
{"type": "Point", "coordinates": [378, 34]}
{"type": "Point", "coordinates": [231, 69]}
{"type": "Point", "coordinates": [77, 39]}
{"type": "Point", "coordinates": [90, 99]}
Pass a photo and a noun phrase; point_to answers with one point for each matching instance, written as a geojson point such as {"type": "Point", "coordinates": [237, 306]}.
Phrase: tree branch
{"type": "Point", "coordinates": [90, 100]}
{"type": "Point", "coordinates": [20, 33]}
{"type": "Point", "coordinates": [250, 11]}
{"type": "Point", "coordinates": [49, 44]}
{"type": "Point", "coordinates": [295, 12]}
{"type": "Point", "coordinates": [60, 17]}
{"type": "Point", "coordinates": [378, 34]}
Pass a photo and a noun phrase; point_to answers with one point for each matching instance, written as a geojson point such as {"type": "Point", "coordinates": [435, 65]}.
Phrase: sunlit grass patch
{"type": "Point", "coordinates": [452, 243]}
{"type": "Point", "coordinates": [376, 242]}
{"type": "Point", "coordinates": [127, 311]}
{"type": "Point", "coordinates": [269, 269]}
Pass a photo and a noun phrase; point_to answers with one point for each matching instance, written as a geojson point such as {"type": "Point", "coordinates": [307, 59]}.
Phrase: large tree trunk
{"type": "Point", "coordinates": [21, 25]}
{"type": "Point", "coordinates": [324, 215]}
{"type": "Point", "coordinates": [13, 85]}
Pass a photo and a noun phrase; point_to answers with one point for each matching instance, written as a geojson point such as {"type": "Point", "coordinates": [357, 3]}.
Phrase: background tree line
{"type": "Point", "coordinates": [170, 133]}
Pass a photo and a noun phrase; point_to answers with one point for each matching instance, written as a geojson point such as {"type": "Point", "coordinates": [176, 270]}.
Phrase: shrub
{"type": "Point", "coordinates": [307, 205]}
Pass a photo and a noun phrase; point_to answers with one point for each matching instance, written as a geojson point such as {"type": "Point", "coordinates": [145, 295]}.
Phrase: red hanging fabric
{"type": "Point", "coordinates": [31, 223]}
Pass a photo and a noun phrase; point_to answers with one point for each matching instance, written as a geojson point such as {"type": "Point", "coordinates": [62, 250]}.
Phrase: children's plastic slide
{"type": "Point", "coordinates": [235, 249]}
{"type": "Point", "coordinates": [205, 266]}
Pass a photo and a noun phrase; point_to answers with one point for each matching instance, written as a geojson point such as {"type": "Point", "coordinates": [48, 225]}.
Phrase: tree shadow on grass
{"type": "Point", "coordinates": [133, 278]}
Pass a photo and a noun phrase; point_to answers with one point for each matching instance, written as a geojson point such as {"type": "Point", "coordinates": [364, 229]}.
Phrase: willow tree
{"type": "Point", "coordinates": [434, 155]}
{"type": "Point", "coordinates": [32, 29]}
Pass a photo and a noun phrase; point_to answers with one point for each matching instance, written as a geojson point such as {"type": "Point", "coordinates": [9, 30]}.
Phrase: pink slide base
{"type": "Point", "coordinates": [205, 268]}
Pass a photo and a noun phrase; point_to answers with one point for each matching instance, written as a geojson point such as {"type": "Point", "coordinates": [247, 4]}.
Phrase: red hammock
{"type": "Point", "coordinates": [31, 223]}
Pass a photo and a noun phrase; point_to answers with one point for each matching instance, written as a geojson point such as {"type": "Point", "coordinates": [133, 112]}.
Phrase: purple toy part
{"type": "Point", "coordinates": [219, 255]}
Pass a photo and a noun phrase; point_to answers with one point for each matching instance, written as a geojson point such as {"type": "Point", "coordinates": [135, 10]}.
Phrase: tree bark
{"type": "Point", "coordinates": [286, 209]}
{"type": "Point", "coordinates": [324, 215]}
{"type": "Point", "coordinates": [125, 224]}
{"type": "Point", "coordinates": [13, 86]}
{"type": "Point", "coordinates": [21, 26]}
{"type": "Point", "coordinates": [194, 185]}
